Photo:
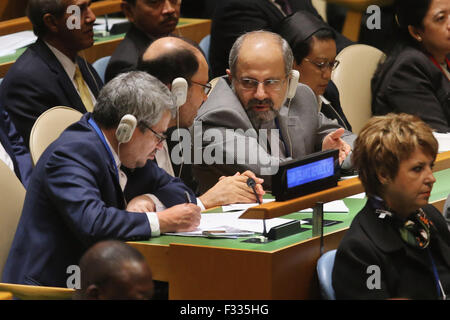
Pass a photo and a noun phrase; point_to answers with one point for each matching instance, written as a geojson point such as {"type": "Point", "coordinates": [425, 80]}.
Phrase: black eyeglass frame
{"type": "Point", "coordinates": [207, 87]}
{"type": "Point", "coordinates": [326, 64]}
{"type": "Point", "coordinates": [161, 138]}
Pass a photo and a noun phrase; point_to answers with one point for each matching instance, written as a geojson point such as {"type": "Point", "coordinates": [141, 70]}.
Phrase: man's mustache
{"type": "Point", "coordinates": [257, 102]}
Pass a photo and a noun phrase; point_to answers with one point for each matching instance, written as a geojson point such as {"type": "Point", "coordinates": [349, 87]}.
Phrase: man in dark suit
{"type": "Point", "coordinates": [169, 58]}
{"type": "Point", "coordinates": [48, 72]}
{"type": "Point", "coordinates": [15, 154]}
{"type": "Point", "coordinates": [79, 195]}
{"type": "Point", "coordinates": [232, 18]}
{"type": "Point", "coordinates": [150, 20]}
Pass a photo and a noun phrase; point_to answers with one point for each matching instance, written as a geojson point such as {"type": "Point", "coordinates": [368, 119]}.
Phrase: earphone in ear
{"type": "Point", "coordinates": [293, 83]}
{"type": "Point", "coordinates": [126, 127]}
{"type": "Point", "coordinates": [179, 90]}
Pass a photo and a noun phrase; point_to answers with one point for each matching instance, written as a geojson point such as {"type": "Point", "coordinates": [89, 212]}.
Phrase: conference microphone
{"type": "Point", "coordinates": [252, 184]}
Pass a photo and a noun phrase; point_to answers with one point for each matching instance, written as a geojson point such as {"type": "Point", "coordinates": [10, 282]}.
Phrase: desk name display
{"type": "Point", "coordinates": [312, 173]}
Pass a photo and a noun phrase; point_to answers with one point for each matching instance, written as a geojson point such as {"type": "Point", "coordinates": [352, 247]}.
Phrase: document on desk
{"type": "Point", "coordinates": [228, 225]}
{"type": "Point", "coordinates": [11, 42]}
{"type": "Point", "coordinates": [443, 140]}
{"type": "Point", "coordinates": [337, 206]}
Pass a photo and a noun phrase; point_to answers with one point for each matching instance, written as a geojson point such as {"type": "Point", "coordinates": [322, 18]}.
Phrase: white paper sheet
{"type": "Point", "coordinates": [337, 206]}
{"type": "Point", "coordinates": [229, 223]}
{"type": "Point", "coordinates": [443, 140]}
{"type": "Point", "coordinates": [11, 42]}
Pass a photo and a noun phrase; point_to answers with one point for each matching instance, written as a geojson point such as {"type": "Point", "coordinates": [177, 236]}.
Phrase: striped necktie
{"type": "Point", "coordinates": [83, 89]}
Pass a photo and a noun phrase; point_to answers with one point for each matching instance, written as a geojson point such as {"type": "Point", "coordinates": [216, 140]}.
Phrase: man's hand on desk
{"type": "Point", "coordinates": [180, 218]}
{"type": "Point", "coordinates": [142, 203]}
{"type": "Point", "coordinates": [233, 189]}
{"type": "Point", "coordinates": [333, 141]}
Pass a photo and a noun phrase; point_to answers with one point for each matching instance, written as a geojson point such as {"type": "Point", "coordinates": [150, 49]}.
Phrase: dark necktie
{"type": "Point", "coordinates": [285, 6]}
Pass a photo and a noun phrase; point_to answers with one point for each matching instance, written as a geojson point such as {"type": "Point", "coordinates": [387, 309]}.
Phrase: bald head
{"type": "Point", "coordinates": [168, 58]}
{"type": "Point", "coordinates": [114, 270]}
{"type": "Point", "coordinates": [256, 44]}
{"type": "Point", "coordinates": [167, 45]}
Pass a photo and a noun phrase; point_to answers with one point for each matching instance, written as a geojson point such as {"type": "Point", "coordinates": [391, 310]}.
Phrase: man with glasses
{"type": "Point", "coordinates": [150, 19]}
{"type": "Point", "coordinates": [313, 44]}
{"type": "Point", "coordinates": [169, 58]}
{"type": "Point", "coordinates": [92, 183]}
{"type": "Point", "coordinates": [254, 121]}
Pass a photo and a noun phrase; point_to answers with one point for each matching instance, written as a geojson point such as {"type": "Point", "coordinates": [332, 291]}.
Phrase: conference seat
{"type": "Point", "coordinates": [48, 127]}
{"type": "Point", "coordinates": [100, 66]}
{"type": "Point", "coordinates": [324, 273]}
{"type": "Point", "coordinates": [204, 45]}
{"type": "Point", "coordinates": [353, 79]}
{"type": "Point", "coordinates": [12, 196]}
{"type": "Point", "coordinates": [29, 292]}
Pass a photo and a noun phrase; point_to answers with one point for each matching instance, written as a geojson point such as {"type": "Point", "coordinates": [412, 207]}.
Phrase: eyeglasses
{"type": "Point", "coordinates": [160, 137]}
{"type": "Point", "coordinates": [325, 64]}
{"type": "Point", "coordinates": [269, 84]}
{"type": "Point", "coordinates": [206, 87]}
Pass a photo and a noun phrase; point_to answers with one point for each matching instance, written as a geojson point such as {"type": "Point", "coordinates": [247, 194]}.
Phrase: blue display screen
{"type": "Point", "coordinates": [310, 172]}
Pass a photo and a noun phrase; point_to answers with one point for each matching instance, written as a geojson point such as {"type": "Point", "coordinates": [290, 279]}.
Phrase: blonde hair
{"type": "Point", "coordinates": [384, 142]}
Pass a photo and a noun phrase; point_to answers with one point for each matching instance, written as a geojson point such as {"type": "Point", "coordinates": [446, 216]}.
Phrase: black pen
{"type": "Point", "coordinates": [188, 198]}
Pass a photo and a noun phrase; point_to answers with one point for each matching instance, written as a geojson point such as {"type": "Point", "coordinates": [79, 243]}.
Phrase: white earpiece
{"type": "Point", "coordinates": [179, 90]}
{"type": "Point", "coordinates": [293, 83]}
{"type": "Point", "coordinates": [126, 128]}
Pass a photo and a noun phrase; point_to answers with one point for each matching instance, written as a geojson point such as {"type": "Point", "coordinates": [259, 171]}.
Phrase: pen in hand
{"type": "Point", "coordinates": [188, 198]}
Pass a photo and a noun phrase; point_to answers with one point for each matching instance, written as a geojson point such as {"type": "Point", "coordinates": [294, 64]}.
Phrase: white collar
{"type": "Point", "coordinates": [67, 63]}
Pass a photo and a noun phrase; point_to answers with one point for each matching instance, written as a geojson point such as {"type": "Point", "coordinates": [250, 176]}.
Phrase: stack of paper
{"type": "Point", "coordinates": [229, 224]}
{"type": "Point", "coordinates": [11, 42]}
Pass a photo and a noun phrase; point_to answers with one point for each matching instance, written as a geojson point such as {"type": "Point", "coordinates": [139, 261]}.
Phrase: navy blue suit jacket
{"type": "Point", "coordinates": [15, 147]}
{"type": "Point", "coordinates": [74, 200]}
{"type": "Point", "coordinates": [37, 82]}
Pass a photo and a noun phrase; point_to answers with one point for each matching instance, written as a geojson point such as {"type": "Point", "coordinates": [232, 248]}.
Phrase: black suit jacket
{"type": "Point", "coordinates": [15, 147]}
{"type": "Point", "coordinates": [404, 271]}
{"type": "Point", "coordinates": [37, 82]}
{"type": "Point", "coordinates": [414, 85]}
{"type": "Point", "coordinates": [127, 54]}
{"type": "Point", "coordinates": [233, 18]}
{"type": "Point", "coordinates": [74, 200]}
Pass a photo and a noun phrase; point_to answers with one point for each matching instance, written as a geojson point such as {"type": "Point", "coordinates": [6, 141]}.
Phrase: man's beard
{"type": "Point", "coordinates": [259, 117]}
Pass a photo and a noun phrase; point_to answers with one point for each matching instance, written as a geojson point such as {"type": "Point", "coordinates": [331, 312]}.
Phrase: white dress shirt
{"type": "Point", "coordinates": [151, 216]}
{"type": "Point", "coordinates": [4, 156]}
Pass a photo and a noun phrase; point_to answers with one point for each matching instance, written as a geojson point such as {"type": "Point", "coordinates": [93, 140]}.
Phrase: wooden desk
{"type": "Point", "coordinates": [356, 9]}
{"type": "Point", "coordinates": [22, 23]}
{"type": "Point", "coordinates": [199, 268]}
{"type": "Point", "coordinates": [6, 295]}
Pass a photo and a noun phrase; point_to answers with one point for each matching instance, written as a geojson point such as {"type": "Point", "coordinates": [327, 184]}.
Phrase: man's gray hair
{"type": "Point", "coordinates": [136, 93]}
{"type": "Point", "coordinates": [288, 56]}
{"type": "Point", "coordinates": [36, 9]}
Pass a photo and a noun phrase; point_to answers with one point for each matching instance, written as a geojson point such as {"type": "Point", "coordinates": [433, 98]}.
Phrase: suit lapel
{"type": "Point", "coordinates": [63, 79]}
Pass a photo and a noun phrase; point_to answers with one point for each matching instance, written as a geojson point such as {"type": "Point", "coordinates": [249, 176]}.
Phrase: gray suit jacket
{"type": "Point", "coordinates": [227, 141]}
